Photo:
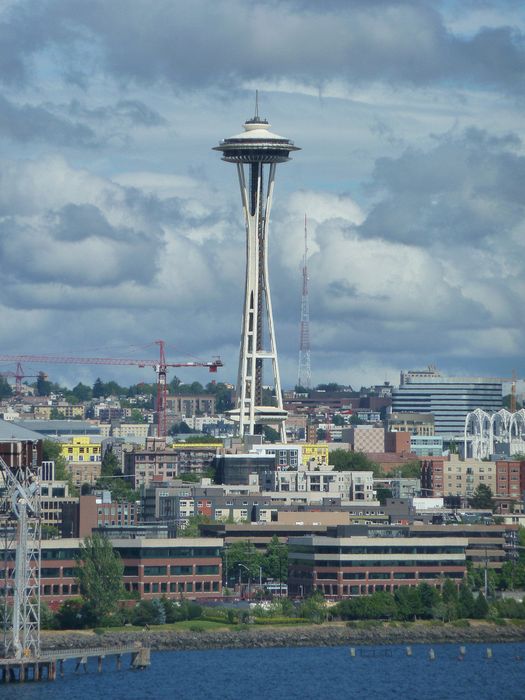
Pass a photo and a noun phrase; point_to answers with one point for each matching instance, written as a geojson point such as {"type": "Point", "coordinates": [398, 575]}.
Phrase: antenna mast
{"type": "Point", "coordinates": [304, 376]}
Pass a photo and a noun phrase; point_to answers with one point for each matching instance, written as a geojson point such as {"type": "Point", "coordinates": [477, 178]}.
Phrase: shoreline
{"type": "Point", "coordinates": [298, 636]}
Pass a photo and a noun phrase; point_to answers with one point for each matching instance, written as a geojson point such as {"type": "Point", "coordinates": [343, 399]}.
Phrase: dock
{"type": "Point", "coordinates": [49, 664]}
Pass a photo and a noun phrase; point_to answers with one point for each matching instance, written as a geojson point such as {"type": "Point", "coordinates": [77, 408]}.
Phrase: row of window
{"type": "Point", "coordinates": [181, 587]}
{"type": "Point", "coordinates": [379, 549]}
{"type": "Point", "coordinates": [378, 575]}
{"type": "Point", "coordinates": [378, 563]}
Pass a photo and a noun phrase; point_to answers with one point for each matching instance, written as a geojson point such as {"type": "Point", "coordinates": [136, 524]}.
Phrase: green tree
{"type": "Point", "coordinates": [51, 451]}
{"type": "Point", "coordinates": [5, 388]}
{"type": "Point", "coordinates": [110, 464]}
{"type": "Point", "coordinates": [43, 386]}
{"type": "Point", "coordinates": [82, 392]}
{"type": "Point", "coordinates": [449, 594]}
{"type": "Point", "coordinates": [71, 615]}
{"type": "Point", "coordinates": [429, 597]}
{"type": "Point", "coordinates": [244, 553]}
{"type": "Point", "coordinates": [191, 529]}
{"type": "Point", "coordinates": [99, 573]}
{"type": "Point", "coordinates": [382, 494]}
{"type": "Point", "coordinates": [483, 497]}
{"type": "Point", "coordinates": [275, 562]}
{"type": "Point", "coordinates": [480, 608]}
{"type": "Point", "coordinates": [344, 460]}
{"type": "Point", "coordinates": [180, 428]}
{"type": "Point", "coordinates": [136, 416]}
{"type": "Point", "coordinates": [223, 396]}
{"type": "Point", "coordinates": [270, 434]}
{"type": "Point", "coordinates": [314, 608]}
{"type": "Point", "coordinates": [465, 602]}
{"type": "Point", "coordinates": [411, 470]}
{"type": "Point", "coordinates": [98, 391]}
{"type": "Point", "coordinates": [113, 479]}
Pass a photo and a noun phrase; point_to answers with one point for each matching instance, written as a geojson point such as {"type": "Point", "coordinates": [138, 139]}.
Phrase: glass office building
{"type": "Point", "coordinates": [449, 399]}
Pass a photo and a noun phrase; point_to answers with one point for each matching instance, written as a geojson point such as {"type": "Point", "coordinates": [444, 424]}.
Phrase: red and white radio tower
{"type": "Point", "coordinates": [304, 376]}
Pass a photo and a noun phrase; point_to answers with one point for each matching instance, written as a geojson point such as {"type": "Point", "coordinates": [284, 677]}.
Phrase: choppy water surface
{"type": "Point", "coordinates": [303, 673]}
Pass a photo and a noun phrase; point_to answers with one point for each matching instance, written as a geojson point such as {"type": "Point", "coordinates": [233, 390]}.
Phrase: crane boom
{"type": "Point", "coordinates": [55, 359]}
{"type": "Point", "coordinates": [160, 366]}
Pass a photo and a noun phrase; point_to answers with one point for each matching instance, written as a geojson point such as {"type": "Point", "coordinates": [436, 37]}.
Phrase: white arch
{"type": "Point", "coordinates": [478, 431]}
{"type": "Point", "coordinates": [500, 426]}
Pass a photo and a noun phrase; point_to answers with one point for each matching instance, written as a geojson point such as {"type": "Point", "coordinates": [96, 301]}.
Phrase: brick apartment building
{"type": "Point", "coordinates": [157, 461]}
{"type": "Point", "coordinates": [449, 476]}
{"type": "Point", "coordinates": [510, 479]}
{"type": "Point", "coordinates": [81, 517]}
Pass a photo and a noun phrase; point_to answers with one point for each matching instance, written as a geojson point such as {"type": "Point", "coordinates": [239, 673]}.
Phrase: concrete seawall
{"type": "Point", "coordinates": [307, 635]}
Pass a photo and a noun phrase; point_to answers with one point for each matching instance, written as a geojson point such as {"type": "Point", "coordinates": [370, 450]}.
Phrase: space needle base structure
{"type": "Point", "coordinates": [256, 152]}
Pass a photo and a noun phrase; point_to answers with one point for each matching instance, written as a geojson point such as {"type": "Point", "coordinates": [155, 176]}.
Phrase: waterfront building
{"type": "Point", "coordinates": [356, 560]}
{"type": "Point", "coordinates": [189, 567]}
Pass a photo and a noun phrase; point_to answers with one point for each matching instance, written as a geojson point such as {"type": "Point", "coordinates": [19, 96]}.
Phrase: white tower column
{"type": "Point", "coordinates": [251, 152]}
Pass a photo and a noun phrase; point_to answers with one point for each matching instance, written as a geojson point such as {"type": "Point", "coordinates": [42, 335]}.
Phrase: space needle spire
{"type": "Point", "coordinates": [256, 152]}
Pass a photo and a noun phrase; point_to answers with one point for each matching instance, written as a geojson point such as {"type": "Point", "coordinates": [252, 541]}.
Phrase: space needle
{"type": "Point", "coordinates": [251, 151]}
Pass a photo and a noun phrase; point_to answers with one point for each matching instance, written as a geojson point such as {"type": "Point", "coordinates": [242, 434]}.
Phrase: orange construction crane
{"type": "Point", "coordinates": [160, 366]}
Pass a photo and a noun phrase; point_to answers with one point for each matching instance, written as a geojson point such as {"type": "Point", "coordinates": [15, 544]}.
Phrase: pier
{"type": "Point", "coordinates": [49, 664]}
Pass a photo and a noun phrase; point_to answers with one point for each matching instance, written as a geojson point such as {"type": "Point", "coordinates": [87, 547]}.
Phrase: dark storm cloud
{"type": "Point", "coordinates": [207, 43]}
{"type": "Point", "coordinates": [468, 189]}
{"type": "Point", "coordinates": [25, 123]}
{"type": "Point", "coordinates": [132, 111]}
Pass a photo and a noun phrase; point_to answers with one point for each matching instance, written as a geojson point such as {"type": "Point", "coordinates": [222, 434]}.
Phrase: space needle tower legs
{"type": "Point", "coordinates": [252, 151]}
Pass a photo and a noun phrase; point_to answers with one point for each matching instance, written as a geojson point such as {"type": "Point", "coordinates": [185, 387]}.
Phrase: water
{"type": "Point", "coordinates": [303, 674]}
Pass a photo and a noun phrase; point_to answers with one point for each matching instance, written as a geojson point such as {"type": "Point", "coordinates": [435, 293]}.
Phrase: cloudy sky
{"type": "Point", "coordinates": [119, 225]}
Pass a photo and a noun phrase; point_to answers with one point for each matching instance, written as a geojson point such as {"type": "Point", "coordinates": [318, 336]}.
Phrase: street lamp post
{"type": "Point", "coordinates": [249, 578]}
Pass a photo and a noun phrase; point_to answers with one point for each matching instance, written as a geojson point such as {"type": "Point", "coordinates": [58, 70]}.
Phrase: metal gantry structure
{"type": "Point", "coordinates": [160, 366]}
{"type": "Point", "coordinates": [253, 151]}
{"type": "Point", "coordinates": [304, 375]}
{"type": "Point", "coordinates": [21, 532]}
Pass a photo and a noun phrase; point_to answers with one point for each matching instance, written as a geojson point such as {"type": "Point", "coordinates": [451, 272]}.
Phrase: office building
{"type": "Point", "coordinates": [448, 399]}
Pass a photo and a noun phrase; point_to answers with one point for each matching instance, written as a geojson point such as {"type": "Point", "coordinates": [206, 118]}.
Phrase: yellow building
{"type": "Point", "coordinates": [71, 411]}
{"type": "Point", "coordinates": [81, 449]}
{"type": "Point", "coordinates": [42, 412]}
{"type": "Point", "coordinates": [317, 451]}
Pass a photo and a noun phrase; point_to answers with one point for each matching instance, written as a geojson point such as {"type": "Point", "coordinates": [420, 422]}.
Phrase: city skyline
{"type": "Point", "coordinates": [119, 226]}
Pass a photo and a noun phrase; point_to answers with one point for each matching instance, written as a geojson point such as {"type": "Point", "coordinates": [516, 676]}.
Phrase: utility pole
{"type": "Point", "coordinates": [486, 576]}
